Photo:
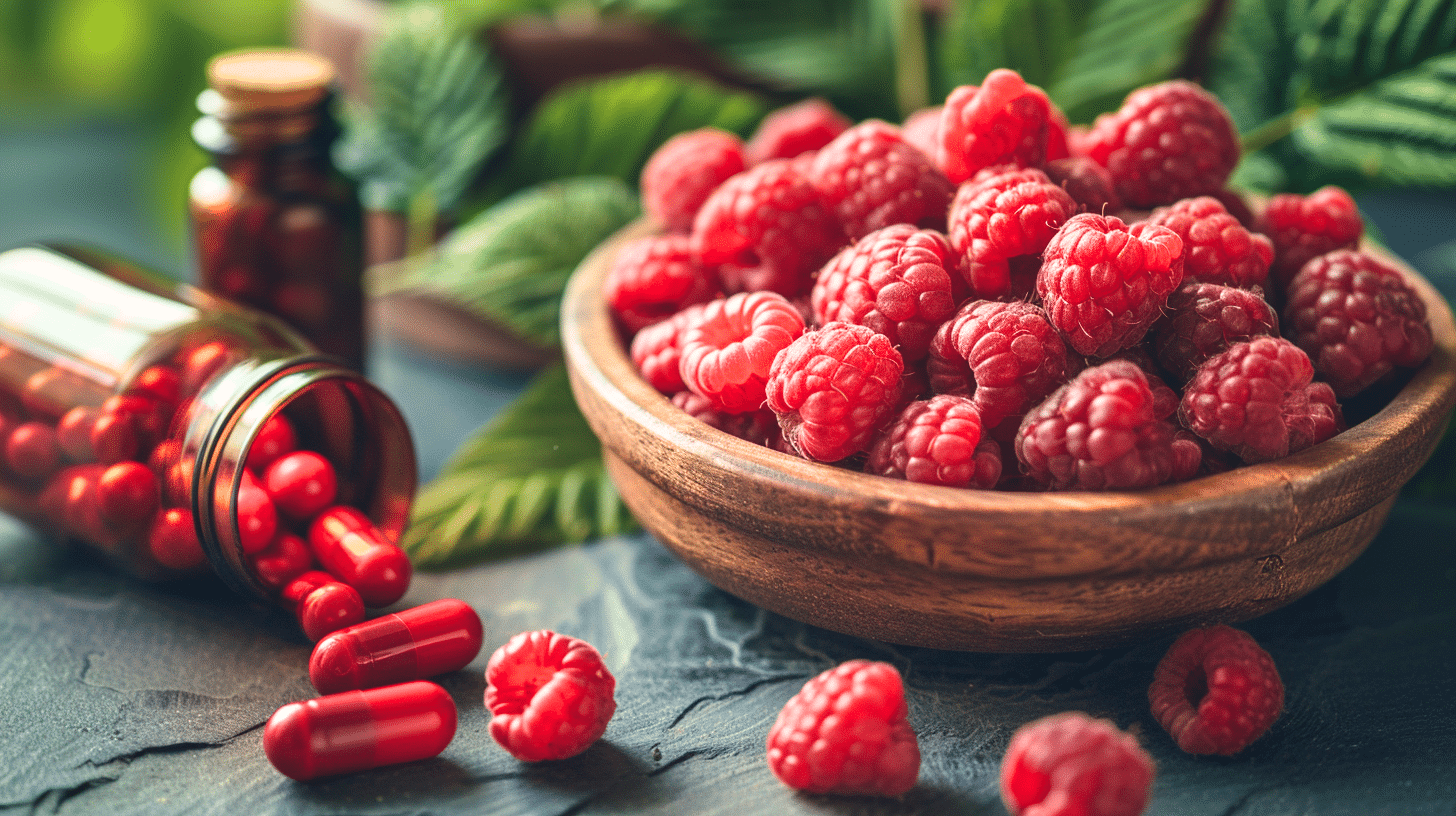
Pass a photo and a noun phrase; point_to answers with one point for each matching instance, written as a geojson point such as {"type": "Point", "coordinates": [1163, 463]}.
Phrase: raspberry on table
{"type": "Point", "coordinates": [937, 441]}
{"type": "Point", "coordinates": [1216, 691]}
{"type": "Point", "coordinates": [1357, 318]}
{"type": "Point", "coordinates": [795, 129]}
{"type": "Point", "coordinates": [1070, 764]}
{"type": "Point", "coordinates": [550, 696]}
{"type": "Point", "coordinates": [1216, 247]}
{"type": "Point", "coordinates": [1000, 224]}
{"type": "Point", "coordinates": [1101, 432]}
{"type": "Point", "coordinates": [726, 354]}
{"type": "Point", "coordinates": [847, 731]}
{"type": "Point", "coordinates": [1257, 400]}
{"type": "Point", "coordinates": [893, 280]}
{"type": "Point", "coordinates": [833, 388]}
{"type": "Point", "coordinates": [656, 350]}
{"type": "Point", "coordinates": [1103, 283]}
{"type": "Point", "coordinates": [1168, 141]}
{"type": "Point", "coordinates": [1004, 121]}
{"type": "Point", "coordinates": [760, 427]}
{"type": "Point", "coordinates": [1005, 356]}
{"type": "Point", "coordinates": [919, 129]}
{"type": "Point", "coordinates": [1304, 227]}
{"type": "Point", "coordinates": [653, 278]}
{"type": "Point", "coordinates": [1204, 319]}
{"type": "Point", "coordinates": [1087, 182]}
{"type": "Point", "coordinates": [689, 166]}
{"type": "Point", "coordinates": [871, 178]}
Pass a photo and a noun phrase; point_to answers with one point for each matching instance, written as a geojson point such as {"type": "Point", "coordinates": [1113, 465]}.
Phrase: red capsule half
{"type": "Point", "coordinates": [348, 544]}
{"type": "Point", "coordinates": [359, 730]}
{"type": "Point", "coordinates": [434, 638]}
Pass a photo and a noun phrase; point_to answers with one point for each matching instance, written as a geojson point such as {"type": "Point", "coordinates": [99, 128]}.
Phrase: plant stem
{"type": "Point", "coordinates": [1277, 128]}
{"type": "Point", "coordinates": [912, 64]}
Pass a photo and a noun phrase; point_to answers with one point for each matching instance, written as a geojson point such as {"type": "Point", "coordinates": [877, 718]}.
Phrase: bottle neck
{"type": "Point", "coordinates": [227, 130]}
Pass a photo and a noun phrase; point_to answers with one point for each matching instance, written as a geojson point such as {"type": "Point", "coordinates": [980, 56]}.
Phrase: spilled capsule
{"type": "Point", "coordinates": [359, 730]}
{"type": "Point", "coordinates": [434, 638]}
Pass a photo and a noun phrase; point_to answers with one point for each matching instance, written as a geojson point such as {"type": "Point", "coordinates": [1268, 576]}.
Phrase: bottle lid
{"type": "Point", "coordinates": [258, 80]}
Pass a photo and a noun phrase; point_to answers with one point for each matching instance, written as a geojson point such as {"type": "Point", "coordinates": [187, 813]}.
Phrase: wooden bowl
{"type": "Point", "coordinates": [985, 570]}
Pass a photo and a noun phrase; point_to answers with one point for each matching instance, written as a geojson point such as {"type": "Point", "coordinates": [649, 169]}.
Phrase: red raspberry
{"type": "Point", "coordinates": [833, 388]}
{"type": "Point", "coordinates": [1000, 224]}
{"type": "Point", "coordinates": [847, 731]}
{"type": "Point", "coordinates": [726, 354]}
{"type": "Point", "coordinates": [653, 278]}
{"type": "Point", "coordinates": [771, 215]}
{"type": "Point", "coordinates": [1087, 182]}
{"type": "Point", "coordinates": [1168, 141]}
{"type": "Point", "coordinates": [657, 349]}
{"type": "Point", "coordinates": [937, 441]}
{"type": "Point", "coordinates": [894, 281]}
{"type": "Point", "coordinates": [1357, 319]}
{"type": "Point", "coordinates": [1216, 691]}
{"type": "Point", "coordinates": [1239, 208]}
{"type": "Point", "coordinates": [919, 129]}
{"type": "Point", "coordinates": [1165, 399]}
{"type": "Point", "coordinates": [1005, 356]}
{"type": "Point", "coordinates": [680, 174]}
{"type": "Point", "coordinates": [1103, 283]}
{"type": "Point", "coordinates": [1303, 227]}
{"type": "Point", "coordinates": [1101, 432]}
{"type": "Point", "coordinates": [1204, 319]}
{"type": "Point", "coordinates": [872, 178]}
{"type": "Point", "coordinates": [760, 427]}
{"type": "Point", "coordinates": [1004, 121]}
{"type": "Point", "coordinates": [1071, 764]}
{"type": "Point", "coordinates": [1256, 400]}
{"type": "Point", "coordinates": [1216, 247]}
{"type": "Point", "coordinates": [549, 695]}
{"type": "Point", "coordinates": [795, 129]}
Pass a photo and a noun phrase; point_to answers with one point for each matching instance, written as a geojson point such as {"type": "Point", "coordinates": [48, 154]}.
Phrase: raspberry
{"type": "Point", "coordinates": [772, 215]}
{"type": "Point", "coordinates": [1101, 432]}
{"type": "Point", "coordinates": [1070, 764]}
{"type": "Point", "coordinates": [1087, 182]}
{"type": "Point", "coordinates": [727, 352]}
{"type": "Point", "coordinates": [1357, 319]}
{"type": "Point", "coordinates": [1165, 399]}
{"type": "Point", "coordinates": [795, 129]}
{"type": "Point", "coordinates": [832, 389]}
{"type": "Point", "coordinates": [894, 281]}
{"type": "Point", "coordinates": [919, 129]}
{"type": "Point", "coordinates": [657, 351]}
{"type": "Point", "coordinates": [1103, 283]}
{"type": "Point", "coordinates": [937, 441]}
{"type": "Point", "coordinates": [1004, 121]}
{"type": "Point", "coordinates": [1000, 224]}
{"type": "Point", "coordinates": [760, 427]}
{"type": "Point", "coordinates": [1004, 355]}
{"type": "Point", "coordinates": [1204, 319]}
{"type": "Point", "coordinates": [1256, 400]}
{"type": "Point", "coordinates": [1168, 141]}
{"type": "Point", "coordinates": [871, 178]}
{"type": "Point", "coordinates": [549, 695]}
{"type": "Point", "coordinates": [653, 278]}
{"type": "Point", "coordinates": [1215, 691]}
{"type": "Point", "coordinates": [680, 174]}
{"type": "Point", "coordinates": [1303, 227]}
{"type": "Point", "coordinates": [847, 731]}
{"type": "Point", "coordinates": [1216, 247]}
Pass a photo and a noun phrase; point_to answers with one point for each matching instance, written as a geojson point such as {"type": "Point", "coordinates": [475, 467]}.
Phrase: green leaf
{"type": "Point", "coordinates": [531, 478]}
{"type": "Point", "coordinates": [1035, 38]}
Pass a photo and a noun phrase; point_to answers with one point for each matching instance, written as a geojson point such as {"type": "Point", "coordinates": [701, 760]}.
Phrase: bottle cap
{"type": "Point", "coordinates": [258, 80]}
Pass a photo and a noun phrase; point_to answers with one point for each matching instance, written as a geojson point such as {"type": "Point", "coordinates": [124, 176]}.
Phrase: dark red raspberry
{"type": "Point", "coordinates": [1101, 432]}
{"type": "Point", "coordinates": [1216, 691]}
{"type": "Point", "coordinates": [770, 215]}
{"type": "Point", "coordinates": [872, 178]}
{"type": "Point", "coordinates": [847, 731]}
{"type": "Point", "coordinates": [1204, 319]}
{"type": "Point", "coordinates": [937, 441]}
{"type": "Point", "coordinates": [1004, 121]}
{"type": "Point", "coordinates": [1104, 283]}
{"type": "Point", "coordinates": [1000, 224]}
{"type": "Point", "coordinates": [919, 129]}
{"type": "Point", "coordinates": [653, 278]}
{"type": "Point", "coordinates": [1303, 227]}
{"type": "Point", "coordinates": [1234, 202]}
{"type": "Point", "coordinates": [894, 281]}
{"type": "Point", "coordinates": [1216, 247]}
{"type": "Point", "coordinates": [550, 696]}
{"type": "Point", "coordinates": [1087, 182]}
{"type": "Point", "coordinates": [795, 129]}
{"type": "Point", "coordinates": [1005, 356]}
{"type": "Point", "coordinates": [1357, 318]}
{"type": "Point", "coordinates": [656, 349]}
{"type": "Point", "coordinates": [1256, 400]}
{"type": "Point", "coordinates": [1071, 764]}
{"type": "Point", "coordinates": [833, 388]}
{"type": "Point", "coordinates": [680, 174]}
{"type": "Point", "coordinates": [1168, 141]}
{"type": "Point", "coordinates": [727, 352]}
{"type": "Point", "coordinates": [760, 427]}
{"type": "Point", "coordinates": [1165, 399]}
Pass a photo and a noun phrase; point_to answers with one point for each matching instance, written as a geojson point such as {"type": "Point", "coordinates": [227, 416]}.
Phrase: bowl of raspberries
{"type": "Point", "coordinates": [987, 380]}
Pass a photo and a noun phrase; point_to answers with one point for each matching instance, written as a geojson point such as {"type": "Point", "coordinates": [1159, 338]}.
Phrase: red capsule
{"type": "Point", "coordinates": [73, 432]}
{"type": "Point", "coordinates": [129, 494]}
{"type": "Point", "coordinates": [322, 603]}
{"type": "Point", "coordinates": [434, 638]}
{"type": "Point", "coordinates": [202, 364]}
{"type": "Point", "coordinates": [161, 383]}
{"type": "Point", "coordinates": [32, 451]}
{"type": "Point", "coordinates": [282, 561]}
{"type": "Point", "coordinates": [257, 517]}
{"type": "Point", "coordinates": [301, 483]}
{"type": "Point", "coordinates": [114, 438]}
{"type": "Point", "coordinates": [274, 439]}
{"type": "Point", "coordinates": [173, 541]}
{"type": "Point", "coordinates": [348, 544]}
{"type": "Point", "coordinates": [360, 730]}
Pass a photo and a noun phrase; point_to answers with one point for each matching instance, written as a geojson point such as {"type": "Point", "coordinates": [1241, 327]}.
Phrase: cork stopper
{"type": "Point", "coordinates": [265, 80]}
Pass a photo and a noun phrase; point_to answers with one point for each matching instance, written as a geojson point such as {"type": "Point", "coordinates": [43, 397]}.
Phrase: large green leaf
{"type": "Point", "coordinates": [1032, 37]}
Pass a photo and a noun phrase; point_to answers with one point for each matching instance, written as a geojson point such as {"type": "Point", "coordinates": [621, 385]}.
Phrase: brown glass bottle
{"type": "Point", "coordinates": [275, 226]}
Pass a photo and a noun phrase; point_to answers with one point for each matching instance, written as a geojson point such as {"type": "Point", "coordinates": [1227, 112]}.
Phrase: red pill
{"type": "Point", "coordinates": [73, 433]}
{"type": "Point", "coordinates": [301, 483]}
{"type": "Point", "coordinates": [348, 544]}
{"type": "Point", "coordinates": [202, 364]}
{"type": "Point", "coordinates": [322, 603]}
{"type": "Point", "coordinates": [282, 561]}
{"type": "Point", "coordinates": [434, 638]}
{"type": "Point", "coordinates": [160, 383]}
{"type": "Point", "coordinates": [360, 730]}
{"type": "Point", "coordinates": [274, 439]}
{"type": "Point", "coordinates": [129, 493]}
{"type": "Point", "coordinates": [173, 540]}
{"type": "Point", "coordinates": [114, 438]}
{"type": "Point", "coordinates": [257, 517]}
{"type": "Point", "coordinates": [31, 450]}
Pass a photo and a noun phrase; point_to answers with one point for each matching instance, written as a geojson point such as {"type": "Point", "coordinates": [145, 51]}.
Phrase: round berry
{"type": "Point", "coordinates": [1071, 763]}
{"type": "Point", "coordinates": [656, 350]}
{"type": "Point", "coordinates": [919, 129]}
{"type": "Point", "coordinates": [652, 278]}
{"type": "Point", "coordinates": [871, 179]}
{"type": "Point", "coordinates": [550, 696]}
{"type": "Point", "coordinates": [684, 171]}
{"type": "Point", "coordinates": [726, 354]}
{"type": "Point", "coordinates": [1004, 121]}
{"type": "Point", "coordinates": [1305, 227]}
{"type": "Point", "coordinates": [793, 130]}
{"type": "Point", "coordinates": [1005, 356]}
{"type": "Point", "coordinates": [301, 484]}
{"type": "Point", "coordinates": [1000, 224]}
{"type": "Point", "coordinates": [937, 441]}
{"type": "Point", "coordinates": [1216, 247]}
{"type": "Point", "coordinates": [1204, 319]}
{"type": "Point", "coordinates": [1087, 182]}
{"type": "Point", "coordinates": [1216, 691]}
